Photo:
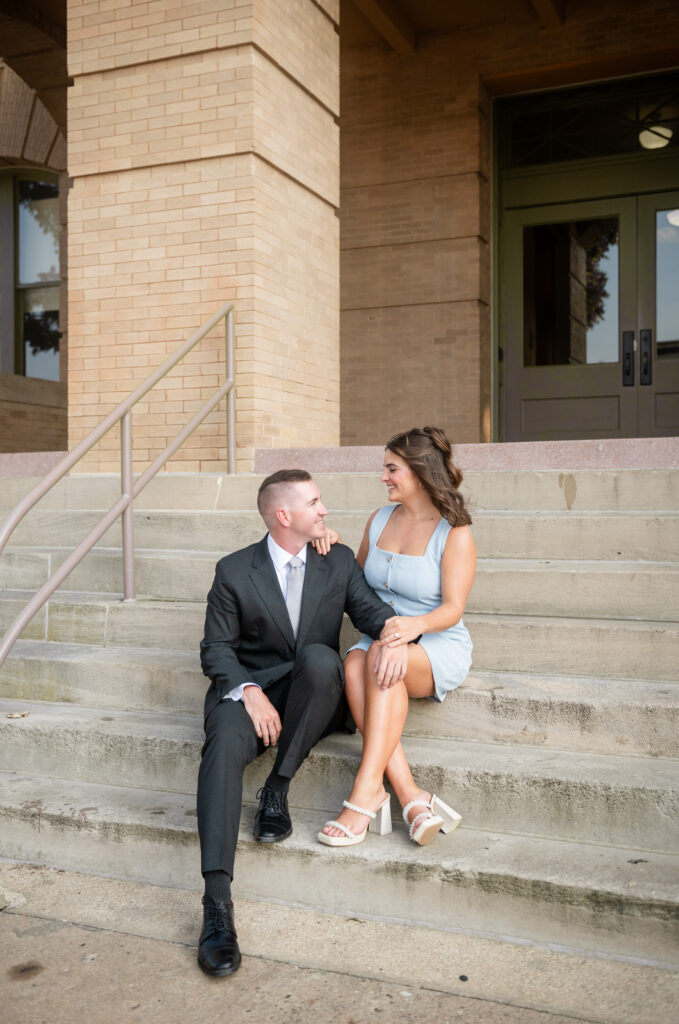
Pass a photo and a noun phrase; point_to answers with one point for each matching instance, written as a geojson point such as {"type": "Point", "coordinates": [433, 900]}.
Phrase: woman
{"type": "Point", "coordinates": [419, 556]}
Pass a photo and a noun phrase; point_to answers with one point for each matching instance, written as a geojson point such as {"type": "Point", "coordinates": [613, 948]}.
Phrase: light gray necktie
{"type": "Point", "coordinates": [293, 595]}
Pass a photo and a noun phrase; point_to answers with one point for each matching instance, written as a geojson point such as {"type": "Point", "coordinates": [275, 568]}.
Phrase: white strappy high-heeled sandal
{"type": "Point", "coordinates": [380, 823]}
{"type": "Point", "coordinates": [436, 817]}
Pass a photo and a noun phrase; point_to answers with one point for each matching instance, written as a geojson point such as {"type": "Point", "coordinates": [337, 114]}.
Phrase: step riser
{"type": "Point", "coordinates": [557, 590]}
{"type": "Point", "coordinates": [639, 593]}
{"type": "Point", "coordinates": [653, 596]}
{"type": "Point", "coordinates": [624, 490]}
{"type": "Point", "coordinates": [504, 802]}
{"type": "Point", "coordinates": [479, 710]}
{"type": "Point", "coordinates": [486, 715]}
{"type": "Point", "coordinates": [87, 678]}
{"type": "Point", "coordinates": [518, 535]}
{"type": "Point", "coordinates": [480, 902]}
{"type": "Point", "coordinates": [605, 538]}
{"type": "Point", "coordinates": [562, 648]}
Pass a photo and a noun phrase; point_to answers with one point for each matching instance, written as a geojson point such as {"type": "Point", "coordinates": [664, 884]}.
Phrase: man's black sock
{"type": "Point", "coordinates": [218, 885]}
{"type": "Point", "coordinates": [278, 783]}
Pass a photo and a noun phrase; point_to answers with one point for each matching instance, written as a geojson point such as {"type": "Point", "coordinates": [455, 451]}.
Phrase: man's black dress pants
{"type": "Point", "coordinates": [310, 704]}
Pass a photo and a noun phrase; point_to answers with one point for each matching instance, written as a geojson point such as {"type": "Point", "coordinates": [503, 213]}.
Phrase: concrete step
{"type": "Point", "coordinates": [585, 896]}
{"type": "Point", "coordinates": [589, 714]}
{"type": "Point", "coordinates": [600, 536]}
{"type": "Point", "coordinates": [615, 590]}
{"type": "Point", "coordinates": [135, 678]}
{"type": "Point", "coordinates": [576, 713]}
{"type": "Point", "coordinates": [605, 648]}
{"type": "Point", "coordinates": [146, 931]}
{"type": "Point", "coordinates": [593, 490]}
{"type": "Point", "coordinates": [577, 796]}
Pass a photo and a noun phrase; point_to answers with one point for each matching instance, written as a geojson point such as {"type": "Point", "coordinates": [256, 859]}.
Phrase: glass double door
{"type": "Point", "coordinates": [590, 319]}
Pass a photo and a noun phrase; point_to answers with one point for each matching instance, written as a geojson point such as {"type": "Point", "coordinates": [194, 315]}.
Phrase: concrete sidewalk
{"type": "Point", "coordinates": [78, 947]}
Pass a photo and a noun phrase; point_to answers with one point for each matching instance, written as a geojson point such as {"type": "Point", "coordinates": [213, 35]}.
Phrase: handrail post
{"type": "Point", "coordinates": [231, 396]}
{"type": "Point", "coordinates": [128, 513]}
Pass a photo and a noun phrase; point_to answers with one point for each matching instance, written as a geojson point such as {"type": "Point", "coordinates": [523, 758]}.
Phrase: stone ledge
{"type": "Point", "coordinates": [614, 453]}
{"type": "Point", "coordinates": [31, 464]}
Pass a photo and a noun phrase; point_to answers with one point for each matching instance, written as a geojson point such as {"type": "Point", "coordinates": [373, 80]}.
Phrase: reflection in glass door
{"type": "Point", "coordinates": [658, 320]}
{"type": "Point", "coordinates": [667, 280]}
{"type": "Point", "coordinates": [570, 292]}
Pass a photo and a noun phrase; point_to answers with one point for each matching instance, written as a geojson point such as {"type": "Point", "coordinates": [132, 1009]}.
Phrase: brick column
{"type": "Point", "coordinates": [415, 234]}
{"type": "Point", "coordinates": [204, 153]}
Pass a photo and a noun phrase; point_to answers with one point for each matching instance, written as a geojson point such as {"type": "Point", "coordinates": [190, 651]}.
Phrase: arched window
{"type": "Point", "coordinates": [29, 274]}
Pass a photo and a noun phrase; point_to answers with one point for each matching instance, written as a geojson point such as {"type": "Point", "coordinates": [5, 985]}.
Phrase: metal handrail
{"type": "Point", "coordinates": [129, 488]}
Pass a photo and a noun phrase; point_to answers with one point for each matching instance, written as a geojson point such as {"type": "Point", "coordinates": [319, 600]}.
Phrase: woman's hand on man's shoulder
{"type": "Point", "coordinates": [324, 544]}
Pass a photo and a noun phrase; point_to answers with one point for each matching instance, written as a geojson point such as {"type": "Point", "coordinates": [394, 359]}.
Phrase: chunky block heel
{"type": "Point", "coordinates": [380, 824]}
{"type": "Point", "coordinates": [451, 819]}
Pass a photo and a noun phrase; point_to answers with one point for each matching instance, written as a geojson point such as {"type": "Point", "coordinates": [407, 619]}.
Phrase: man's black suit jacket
{"type": "Point", "coordinates": [248, 636]}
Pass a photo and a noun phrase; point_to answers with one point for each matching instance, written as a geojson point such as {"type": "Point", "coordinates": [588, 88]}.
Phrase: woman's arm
{"type": "Point", "coordinates": [458, 565]}
{"type": "Point", "coordinates": [364, 546]}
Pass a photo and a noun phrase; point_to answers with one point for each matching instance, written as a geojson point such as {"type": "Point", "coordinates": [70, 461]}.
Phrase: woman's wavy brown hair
{"type": "Point", "coordinates": [429, 454]}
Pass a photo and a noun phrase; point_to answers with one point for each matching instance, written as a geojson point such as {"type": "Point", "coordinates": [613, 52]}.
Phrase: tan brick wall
{"type": "Point", "coordinates": [204, 155]}
{"type": "Point", "coordinates": [414, 229]}
{"type": "Point", "coordinates": [415, 210]}
{"type": "Point", "coordinates": [32, 415]}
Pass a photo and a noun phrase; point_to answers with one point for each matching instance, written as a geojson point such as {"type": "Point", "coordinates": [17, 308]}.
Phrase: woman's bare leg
{"type": "Point", "coordinates": [397, 769]}
{"type": "Point", "coordinates": [380, 716]}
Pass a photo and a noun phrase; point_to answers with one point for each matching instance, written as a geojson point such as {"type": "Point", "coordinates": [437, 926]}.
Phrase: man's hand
{"type": "Point", "coordinates": [391, 665]}
{"type": "Point", "coordinates": [401, 629]}
{"type": "Point", "coordinates": [264, 716]}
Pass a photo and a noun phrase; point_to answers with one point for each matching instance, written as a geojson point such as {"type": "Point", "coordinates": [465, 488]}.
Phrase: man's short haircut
{"type": "Point", "coordinates": [269, 493]}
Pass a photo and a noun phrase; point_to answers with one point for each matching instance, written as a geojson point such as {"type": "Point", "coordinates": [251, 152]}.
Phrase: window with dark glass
{"type": "Point", "coordinates": [636, 116]}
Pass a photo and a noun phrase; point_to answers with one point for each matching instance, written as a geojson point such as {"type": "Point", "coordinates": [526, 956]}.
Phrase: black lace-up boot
{"type": "Point", "coordinates": [272, 821]}
{"type": "Point", "coordinates": [218, 952]}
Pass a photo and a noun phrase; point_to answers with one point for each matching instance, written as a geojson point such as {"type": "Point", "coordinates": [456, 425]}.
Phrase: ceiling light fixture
{"type": "Point", "coordinates": [656, 136]}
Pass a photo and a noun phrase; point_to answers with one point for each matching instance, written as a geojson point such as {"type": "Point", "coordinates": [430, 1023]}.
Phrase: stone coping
{"type": "Point", "coordinates": [614, 453]}
{"type": "Point", "coordinates": [33, 464]}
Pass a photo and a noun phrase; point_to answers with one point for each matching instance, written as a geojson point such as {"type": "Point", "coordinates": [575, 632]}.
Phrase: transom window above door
{"type": "Point", "coordinates": [636, 116]}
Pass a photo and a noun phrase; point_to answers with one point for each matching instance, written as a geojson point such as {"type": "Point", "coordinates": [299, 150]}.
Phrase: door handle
{"type": "Point", "coordinates": [628, 347]}
{"type": "Point", "coordinates": [646, 357]}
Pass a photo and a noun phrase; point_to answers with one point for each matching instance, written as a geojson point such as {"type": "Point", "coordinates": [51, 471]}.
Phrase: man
{"type": "Point", "coordinates": [271, 651]}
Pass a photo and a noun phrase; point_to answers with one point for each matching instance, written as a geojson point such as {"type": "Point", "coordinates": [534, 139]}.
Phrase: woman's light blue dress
{"type": "Point", "coordinates": [411, 584]}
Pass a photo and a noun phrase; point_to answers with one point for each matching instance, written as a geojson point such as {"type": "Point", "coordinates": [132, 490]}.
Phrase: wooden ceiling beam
{"type": "Point", "coordinates": [391, 24]}
{"type": "Point", "coordinates": [550, 12]}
